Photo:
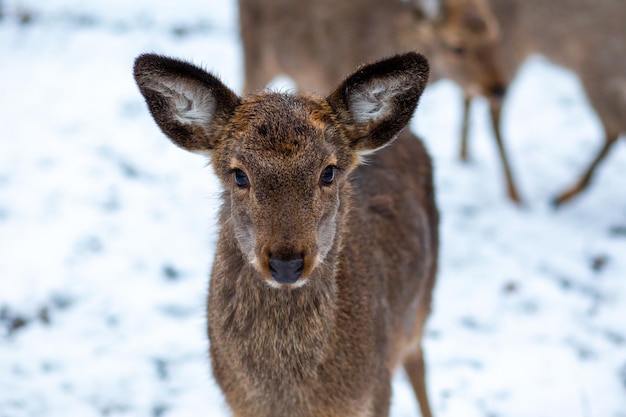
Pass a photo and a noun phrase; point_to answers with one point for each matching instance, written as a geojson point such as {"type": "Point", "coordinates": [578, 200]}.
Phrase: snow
{"type": "Point", "coordinates": [107, 232]}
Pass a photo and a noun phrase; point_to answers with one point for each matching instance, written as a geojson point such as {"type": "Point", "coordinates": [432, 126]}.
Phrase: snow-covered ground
{"type": "Point", "coordinates": [107, 232]}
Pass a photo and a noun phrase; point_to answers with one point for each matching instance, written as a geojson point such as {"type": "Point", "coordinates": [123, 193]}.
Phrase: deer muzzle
{"type": "Point", "coordinates": [286, 271]}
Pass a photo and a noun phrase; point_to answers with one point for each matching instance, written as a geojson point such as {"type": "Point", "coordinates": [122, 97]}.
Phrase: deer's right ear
{"type": "Point", "coordinates": [188, 103]}
{"type": "Point", "coordinates": [429, 9]}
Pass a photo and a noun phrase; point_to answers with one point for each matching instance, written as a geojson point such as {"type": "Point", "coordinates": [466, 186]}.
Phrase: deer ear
{"type": "Point", "coordinates": [187, 103]}
{"type": "Point", "coordinates": [378, 100]}
{"type": "Point", "coordinates": [429, 9]}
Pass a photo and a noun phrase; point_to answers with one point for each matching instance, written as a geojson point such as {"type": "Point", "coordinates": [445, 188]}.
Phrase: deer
{"type": "Point", "coordinates": [590, 40]}
{"type": "Point", "coordinates": [324, 266]}
{"type": "Point", "coordinates": [316, 43]}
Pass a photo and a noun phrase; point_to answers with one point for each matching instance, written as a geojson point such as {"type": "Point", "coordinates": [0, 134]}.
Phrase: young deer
{"type": "Point", "coordinates": [589, 38]}
{"type": "Point", "coordinates": [324, 268]}
{"type": "Point", "coordinates": [317, 43]}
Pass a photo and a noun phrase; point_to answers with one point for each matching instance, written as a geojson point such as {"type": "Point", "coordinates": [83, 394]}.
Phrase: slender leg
{"type": "Point", "coordinates": [467, 100]}
{"type": "Point", "coordinates": [416, 371]}
{"type": "Point", "coordinates": [256, 73]}
{"type": "Point", "coordinates": [495, 108]}
{"type": "Point", "coordinates": [414, 362]}
{"type": "Point", "coordinates": [584, 181]}
{"type": "Point", "coordinates": [259, 62]}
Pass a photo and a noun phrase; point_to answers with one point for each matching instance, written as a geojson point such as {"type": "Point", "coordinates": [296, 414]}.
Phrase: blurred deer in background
{"type": "Point", "coordinates": [317, 43]}
{"type": "Point", "coordinates": [324, 268]}
{"type": "Point", "coordinates": [585, 36]}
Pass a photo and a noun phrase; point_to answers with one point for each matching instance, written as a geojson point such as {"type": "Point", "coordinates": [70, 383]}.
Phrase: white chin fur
{"type": "Point", "coordinates": [298, 284]}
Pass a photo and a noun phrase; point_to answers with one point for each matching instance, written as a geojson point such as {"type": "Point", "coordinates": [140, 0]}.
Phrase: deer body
{"type": "Point", "coordinates": [305, 40]}
{"type": "Point", "coordinates": [295, 354]}
{"type": "Point", "coordinates": [587, 37]}
{"type": "Point", "coordinates": [324, 268]}
{"type": "Point", "coordinates": [317, 42]}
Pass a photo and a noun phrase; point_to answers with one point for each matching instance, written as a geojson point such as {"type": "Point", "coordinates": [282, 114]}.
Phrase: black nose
{"type": "Point", "coordinates": [498, 91]}
{"type": "Point", "coordinates": [286, 272]}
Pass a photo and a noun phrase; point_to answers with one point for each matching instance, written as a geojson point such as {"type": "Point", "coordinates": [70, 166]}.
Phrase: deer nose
{"type": "Point", "coordinates": [498, 91]}
{"type": "Point", "coordinates": [286, 272]}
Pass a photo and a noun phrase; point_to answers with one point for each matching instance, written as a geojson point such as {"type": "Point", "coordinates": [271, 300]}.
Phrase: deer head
{"type": "Point", "coordinates": [462, 37]}
{"type": "Point", "coordinates": [283, 160]}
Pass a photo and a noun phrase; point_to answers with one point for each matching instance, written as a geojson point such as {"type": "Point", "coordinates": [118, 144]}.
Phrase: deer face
{"type": "Point", "coordinates": [283, 160]}
{"type": "Point", "coordinates": [463, 37]}
{"type": "Point", "coordinates": [283, 164]}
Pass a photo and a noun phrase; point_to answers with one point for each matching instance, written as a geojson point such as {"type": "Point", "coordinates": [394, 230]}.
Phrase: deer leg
{"type": "Point", "coordinates": [467, 101]}
{"type": "Point", "coordinates": [416, 371]}
{"type": "Point", "coordinates": [585, 179]}
{"type": "Point", "coordinates": [257, 77]}
{"type": "Point", "coordinates": [260, 64]}
{"type": "Point", "coordinates": [414, 365]}
{"type": "Point", "coordinates": [495, 110]}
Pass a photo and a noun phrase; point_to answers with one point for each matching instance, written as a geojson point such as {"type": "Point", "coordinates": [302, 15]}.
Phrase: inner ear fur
{"type": "Point", "coordinates": [378, 100]}
{"type": "Point", "coordinates": [187, 103]}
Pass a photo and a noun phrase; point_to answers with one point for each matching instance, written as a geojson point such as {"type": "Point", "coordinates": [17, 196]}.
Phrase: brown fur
{"type": "Point", "coordinates": [585, 36]}
{"type": "Point", "coordinates": [317, 43]}
{"type": "Point", "coordinates": [328, 343]}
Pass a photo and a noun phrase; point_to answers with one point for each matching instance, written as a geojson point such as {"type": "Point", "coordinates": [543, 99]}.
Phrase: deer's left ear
{"type": "Point", "coordinates": [378, 100]}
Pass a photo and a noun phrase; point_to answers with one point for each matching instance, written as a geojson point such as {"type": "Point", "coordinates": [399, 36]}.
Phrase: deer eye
{"type": "Point", "coordinates": [458, 50]}
{"type": "Point", "coordinates": [241, 179]}
{"type": "Point", "coordinates": [328, 175]}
